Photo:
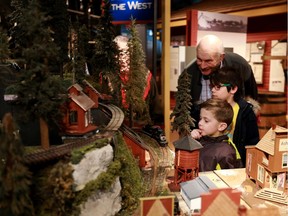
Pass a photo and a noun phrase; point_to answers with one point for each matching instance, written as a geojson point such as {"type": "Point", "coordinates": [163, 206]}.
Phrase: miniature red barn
{"type": "Point", "coordinates": [267, 162]}
{"type": "Point", "coordinates": [186, 165]}
{"type": "Point", "coordinates": [138, 150]}
{"type": "Point", "coordinates": [78, 120]}
{"type": "Point", "coordinates": [91, 92]}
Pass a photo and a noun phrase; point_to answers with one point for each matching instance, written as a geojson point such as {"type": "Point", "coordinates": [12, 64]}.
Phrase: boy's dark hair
{"type": "Point", "coordinates": [228, 75]}
{"type": "Point", "coordinates": [221, 109]}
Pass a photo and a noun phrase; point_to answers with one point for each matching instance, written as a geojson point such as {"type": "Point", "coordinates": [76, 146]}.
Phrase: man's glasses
{"type": "Point", "coordinates": [217, 87]}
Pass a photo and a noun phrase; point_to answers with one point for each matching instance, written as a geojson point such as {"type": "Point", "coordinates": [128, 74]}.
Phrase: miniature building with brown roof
{"type": "Point", "coordinates": [78, 119]}
{"type": "Point", "coordinates": [91, 92]}
{"type": "Point", "coordinates": [267, 162]}
{"type": "Point", "coordinates": [224, 201]}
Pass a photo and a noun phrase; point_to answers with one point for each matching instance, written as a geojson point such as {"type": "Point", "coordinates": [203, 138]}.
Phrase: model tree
{"type": "Point", "coordinates": [8, 70]}
{"type": "Point", "coordinates": [182, 120]}
{"type": "Point", "coordinates": [15, 178]}
{"type": "Point", "coordinates": [4, 47]}
{"type": "Point", "coordinates": [137, 78]}
{"type": "Point", "coordinates": [76, 68]}
{"type": "Point", "coordinates": [105, 59]}
{"type": "Point", "coordinates": [39, 95]}
{"type": "Point", "coordinates": [59, 24]}
{"type": "Point", "coordinates": [15, 30]}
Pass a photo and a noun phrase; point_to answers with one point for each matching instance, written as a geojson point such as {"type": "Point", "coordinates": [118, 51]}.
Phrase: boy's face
{"type": "Point", "coordinates": [221, 92]}
{"type": "Point", "coordinates": [208, 124]}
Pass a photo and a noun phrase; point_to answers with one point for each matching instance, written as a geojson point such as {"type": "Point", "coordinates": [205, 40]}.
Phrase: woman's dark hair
{"type": "Point", "coordinates": [228, 75]}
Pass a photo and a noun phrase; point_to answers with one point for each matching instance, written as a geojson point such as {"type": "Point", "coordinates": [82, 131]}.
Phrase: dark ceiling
{"type": "Point", "coordinates": [180, 4]}
{"type": "Point", "coordinates": [179, 8]}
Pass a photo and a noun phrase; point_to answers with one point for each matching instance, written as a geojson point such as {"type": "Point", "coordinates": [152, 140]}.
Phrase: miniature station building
{"type": "Point", "coordinates": [267, 164]}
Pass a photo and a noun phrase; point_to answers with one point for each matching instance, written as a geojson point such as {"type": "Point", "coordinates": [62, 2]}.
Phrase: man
{"type": "Point", "coordinates": [210, 57]}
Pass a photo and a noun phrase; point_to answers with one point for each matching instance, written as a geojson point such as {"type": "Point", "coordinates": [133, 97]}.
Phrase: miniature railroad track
{"type": "Point", "coordinates": [56, 152]}
{"type": "Point", "coordinates": [59, 151]}
{"type": "Point", "coordinates": [162, 162]}
{"type": "Point", "coordinates": [115, 114]}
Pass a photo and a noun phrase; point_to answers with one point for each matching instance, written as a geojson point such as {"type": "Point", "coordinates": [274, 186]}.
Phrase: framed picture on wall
{"type": "Point", "coordinates": [254, 53]}
{"type": "Point", "coordinates": [258, 72]}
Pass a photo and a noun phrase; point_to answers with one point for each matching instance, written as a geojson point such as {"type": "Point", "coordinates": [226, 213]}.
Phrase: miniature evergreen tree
{"type": "Point", "coordinates": [15, 178]}
{"type": "Point", "coordinates": [76, 68]}
{"type": "Point", "coordinates": [59, 24]}
{"type": "Point", "coordinates": [4, 47]}
{"type": "Point", "coordinates": [105, 59]}
{"type": "Point", "coordinates": [15, 29]}
{"type": "Point", "coordinates": [38, 93]}
{"type": "Point", "coordinates": [137, 78]}
{"type": "Point", "coordinates": [182, 120]}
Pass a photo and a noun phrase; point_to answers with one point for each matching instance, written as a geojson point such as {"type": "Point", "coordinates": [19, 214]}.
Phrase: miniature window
{"type": "Point", "coordinates": [73, 117]}
{"type": "Point", "coordinates": [260, 174]}
{"type": "Point", "coordinates": [284, 160]}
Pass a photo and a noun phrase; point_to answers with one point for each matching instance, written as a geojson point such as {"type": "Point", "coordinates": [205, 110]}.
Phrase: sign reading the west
{"type": "Point", "coordinates": [122, 11]}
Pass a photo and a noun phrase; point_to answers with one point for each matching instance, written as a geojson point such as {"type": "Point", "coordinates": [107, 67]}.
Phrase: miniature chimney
{"type": "Point", "coordinates": [273, 132]}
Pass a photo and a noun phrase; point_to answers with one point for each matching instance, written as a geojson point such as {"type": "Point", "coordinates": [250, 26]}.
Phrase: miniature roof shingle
{"type": "Point", "coordinates": [194, 188]}
{"type": "Point", "coordinates": [187, 143]}
{"type": "Point", "coordinates": [82, 101]}
{"type": "Point", "coordinates": [77, 86]}
{"type": "Point", "coordinates": [85, 82]}
{"type": "Point", "coordinates": [266, 144]}
{"type": "Point", "coordinates": [223, 205]}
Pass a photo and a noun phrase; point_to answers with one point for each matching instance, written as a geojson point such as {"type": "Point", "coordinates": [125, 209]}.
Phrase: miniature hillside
{"type": "Point", "coordinates": [86, 169]}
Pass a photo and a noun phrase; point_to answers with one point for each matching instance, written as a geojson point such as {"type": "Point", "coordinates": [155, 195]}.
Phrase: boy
{"type": "Point", "coordinates": [226, 85]}
{"type": "Point", "coordinates": [218, 152]}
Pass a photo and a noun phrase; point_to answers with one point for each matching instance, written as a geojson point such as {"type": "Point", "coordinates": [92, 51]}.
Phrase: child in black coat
{"type": "Point", "coordinates": [218, 150]}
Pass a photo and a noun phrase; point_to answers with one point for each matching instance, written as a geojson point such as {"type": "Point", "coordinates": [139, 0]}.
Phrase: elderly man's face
{"type": "Point", "coordinates": [208, 62]}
